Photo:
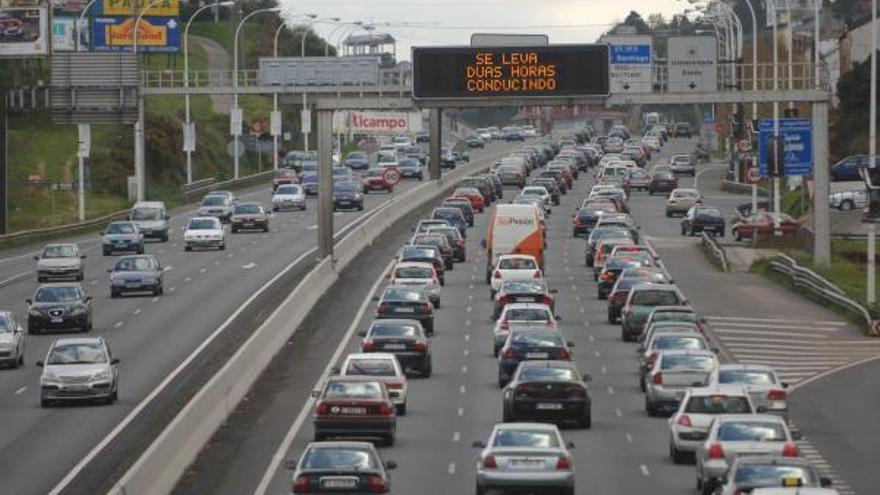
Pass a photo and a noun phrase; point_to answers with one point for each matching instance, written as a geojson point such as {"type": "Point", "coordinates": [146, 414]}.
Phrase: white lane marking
{"type": "Point", "coordinates": [582, 310]}
{"type": "Point", "coordinates": [168, 268]}
{"type": "Point", "coordinates": [456, 436]}
{"type": "Point", "coordinates": [21, 390]}
{"type": "Point", "coordinates": [723, 332]}
{"type": "Point", "coordinates": [467, 337]}
{"type": "Point", "coordinates": [155, 299]}
{"type": "Point", "coordinates": [777, 320]}
{"type": "Point", "coordinates": [470, 297]}
{"type": "Point", "coordinates": [618, 413]}
{"type": "Point", "coordinates": [137, 311]}
{"type": "Point", "coordinates": [644, 469]}
{"type": "Point", "coordinates": [571, 277]}
{"type": "Point", "coordinates": [592, 338]}
{"type": "Point", "coordinates": [465, 352]}
{"type": "Point", "coordinates": [610, 390]}
{"type": "Point", "coordinates": [597, 353]}
{"type": "Point", "coordinates": [463, 389]}
{"type": "Point", "coordinates": [574, 287]}
{"type": "Point", "coordinates": [831, 372]}
{"type": "Point", "coordinates": [603, 370]}
{"type": "Point", "coordinates": [118, 324]}
{"type": "Point", "coordinates": [577, 298]}
{"type": "Point", "coordinates": [229, 255]}
{"type": "Point", "coordinates": [249, 265]}
{"type": "Point", "coordinates": [464, 369]}
{"type": "Point", "coordinates": [216, 263]}
{"type": "Point", "coordinates": [461, 411]}
{"type": "Point", "coordinates": [451, 468]}
{"type": "Point", "coordinates": [467, 322]}
{"type": "Point", "coordinates": [281, 452]}
{"type": "Point", "coordinates": [203, 270]}
{"type": "Point", "coordinates": [469, 309]}
{"type": "Point", "coordinates": [629, 438]}
{"type": "Point", "coordinates": [473, 277]}
{"type": "Point", "coordinates": [773, 326]}
{"type": "Point", "coordinates": [188, 279]}
{"type": "Point", "coordinates": [94, 282]}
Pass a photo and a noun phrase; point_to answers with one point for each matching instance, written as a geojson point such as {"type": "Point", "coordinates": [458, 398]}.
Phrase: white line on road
{"type": "Point", "coordinates": [610, 390]}
{"type": "Point", "coordinates": [312, 227]}
{"type": "Point", "coordinates": [155, 299]}
{"type": "Point", "coordinates": [463, 389]}
{"type": "Point", "coordinates": [629, 438]}
{"type": "Point", "coordinates": [168, 268]}
{"type": "Point", "coordinates": [777, 320]}
{"type": "Point", "coordinates": [467, 323]}
{"type": "Point", "coordinates": [464, 369]}
{"type": "Point", "coordinates": [137, 311]}
{"type": "Point", "coordinates": [618, 413]}
{"type": "Point", "coordinates": [456, 436]}
{"type": "Point", "coordinates": [465, 352]}
{"type": "Point", "coordinates": [94, 282]}
{"type": "Point", "coordinates": [644, 469]}
{"type": "Point", "coordinates": [469, 309]}
{"type": "Point", "coordinates": [118, 324]}
{"type": "Point", "coordinates": [188, 279]}
{"type": "Point", "coordinates": [592, 338]}
{"type": "Point", "coordinates": [597, 353]}
{"type": "Point", "coordinates": [603, 370]}
{"type": "Point", "coordinates": [21, 390]}
{"type": "Point", "coordinates": [451, 468]}
{"type": "Point", "coordinates": [467, 336]}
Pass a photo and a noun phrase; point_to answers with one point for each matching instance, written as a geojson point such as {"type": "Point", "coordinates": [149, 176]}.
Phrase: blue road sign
{"type": "Point", "coordinates": [798, 137]}
{"type": "Point", "coordinates": [630, 54]}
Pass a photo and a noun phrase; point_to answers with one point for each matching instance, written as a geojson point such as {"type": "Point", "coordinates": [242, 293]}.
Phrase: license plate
{"type": "Point", "coordinates": [405, 310]}
{"type": "Point", "coordinates": [395, 347]}
{"type": "Point", "coordinates": [56, 319]}
{"type": "Point", "coordinates": [132, 285]}
{"type": "Point", "coordinates": [537, 355]}
{"type": "Point", "coordinates": [549, 407]}
{"type": "Point", "coordinates": [526, 463]}
{"type": "Point", "coordinates": [709, 227]}
{"type": "Point", "coordinates": [524, 299]}
{"type": "Point", "coordinates": [353, 410]}
{"type": "Point", "coordinates": [76, 388]}
{"type": "Point", "coordinates": [339, 483]}
{"type": "Point", "coordinates": [248, 224]}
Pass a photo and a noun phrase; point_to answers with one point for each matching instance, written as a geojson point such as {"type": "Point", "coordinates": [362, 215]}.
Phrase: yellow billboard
{"type": "Point", "coordinates": [163, 8]}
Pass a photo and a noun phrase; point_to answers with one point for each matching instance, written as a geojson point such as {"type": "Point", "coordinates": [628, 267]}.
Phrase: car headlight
{"type": "Point", "coordinates": [49, 377]}
{"type": "Point", "coordinates": [117, 281]}
{"type": "Point", "coordinates": [34, 312]}
{"type": "Point", "coordinates": [77, 311]}
{"type": "Point", "coordinates": [102, 375]}
{"type": "Point", "coordinates": [149, 280]}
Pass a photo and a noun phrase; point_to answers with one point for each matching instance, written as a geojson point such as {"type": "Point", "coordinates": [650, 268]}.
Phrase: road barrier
{"type": "Point", "coordinates": [159, 467]}
{"type": "Point", "coordinates": [717, 251]}
{"type": "Point", "coordinates": [819, 286]}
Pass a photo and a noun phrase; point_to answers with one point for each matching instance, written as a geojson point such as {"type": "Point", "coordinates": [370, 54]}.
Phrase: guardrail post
{"type": "Point", "coordinates": [325, 183]}
{"type": "Point", "coordinates": [434, 158]}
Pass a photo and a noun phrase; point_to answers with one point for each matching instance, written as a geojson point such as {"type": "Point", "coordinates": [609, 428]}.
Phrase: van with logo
{"type": "Point", "coordinates": [514, 229]}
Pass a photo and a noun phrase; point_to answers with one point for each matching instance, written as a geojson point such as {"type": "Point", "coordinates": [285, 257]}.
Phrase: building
{"type": "Point", "coordinates": [855, 46]}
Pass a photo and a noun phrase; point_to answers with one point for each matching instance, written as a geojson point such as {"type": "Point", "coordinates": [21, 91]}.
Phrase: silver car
{"type": "Point", "coordinates": [848, 200]}
{"type": "Point", "coordinates": [681, 200]}
{"type": "Point", "coordinates": [750, 473]}
{"type": "Point", "coordinates": [60, 261]}
{"type": "Point", "coordinates": [761, 381]}
{"type": "Point", "coordinates": [674, 372]}
{"type": "Point", "coordinates": [680, 337]}
{"type": "Point", "coordinates": [689, 425]}
{"type": "Point", "coordinates": [525, 455]}
{"type": "Point", "coordinates": [139, 273]}
{"type": "Point", "coordinates": [216, 205]}
{"type": "Point", "coordinates": [78, 369]}
{"type": "Point", "coordinates": [739, 435]}
{"type": "Point", "coordinates": [682, 164]}
{"type": "Point", "coordinates": [11, 340]}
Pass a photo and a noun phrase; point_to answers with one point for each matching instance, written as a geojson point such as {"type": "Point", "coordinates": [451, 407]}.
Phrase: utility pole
{"type": "Point", "coordinates": [4, 156]}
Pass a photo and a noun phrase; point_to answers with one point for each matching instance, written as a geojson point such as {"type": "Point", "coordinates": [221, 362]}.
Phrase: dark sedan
{"type": "Point", "coordinates": [486, 188]}
{"type": "Point", "coordinates": [548, 391]}
{"type": "Point", "coordinates": [611, 271]}
{"type": "Point", "coordinates": [334, 467]}
{"type": "Point", "coordinates": [452, 215]}
{"type": "Point", "coordinates": [405, 339]}
{"type": "Point", "coordinates": [61, 306]}
{"type": "Point", "coordinates": [587, 217]}
{"type": "Point", "coordinates": [141, 273]}
{"type": "Point", "coordinates": [425, 254]}
{"type": "Point", "coordinates": [523, 291]}
{"type": "Point", "coordinates": [455, 239]}
{"type": "Point", "coordinates": [406, 301]}
{"type": "Point", "coordinates": [346, 195]}
{"type": "Point", "coordinates": [551, 186]}
{"type": "Point", "coordinates": [703, 219]}
{"type": "Point", "coordinates": [530, 344]}
{"type": "Point", "coordinates": [600, 233]}
{"type": "Point", "coordinates": [474, 141]}
{"type": "Point", "coordinates": [357, 160]}
{"type": "Point", "coordinates": [440, 242]}
{"type": "Point", "coordinates": [310, 184]}
{"type": "Point", "coordinates": [625, 281]}
{"type": "Point", "coordinates": [662, 182]}
{"type": "Point", "coordinates": [559, 176]}
{"type": "Point", "coordinates": [462, 204]}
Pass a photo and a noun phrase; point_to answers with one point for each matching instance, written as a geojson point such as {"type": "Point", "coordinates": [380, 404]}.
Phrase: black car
{"type": "Point", "coordinates": [328, 467]}
{"type": "Point", "coordinates": [662, 182]}
{"type": "Point", "coordinates": [530, 344]}
{"type": "Point", "coordinates": [600, 233]}
{"type": "Point", "coordinates": [462, 204]}
{"type": "Point", "coordinates": [455, 239]}
{"type": "Point", "coordinates": [625, 281]}
{"type": "Point", "coordinates": [425, 254]}
{"type": "Point", "coordinates": [585, 220]}
{"type": "Point", "coordinates": [404, 338]}
{"type": "Point", "coordinates": [410, 168]}
{"type": "Point", "coordinates": [682, 129]}
{"type": "Point", "coordinates": [703, 219]}
{"type": "Point", "coordinates": [611, 271]}
{"type": "Point", "coordinates": [346, 195]}
{"type": "Point", "coordinates": [523, 291]}
{"type": "Point", "coordinates": [423, 137]}
{"type": "Point", "coordinates": [474, 141]}
{"type": "Point", "coordinates": [496, 183]}
{"type": "Point", "coordinates": [447, 159]}
{"type": "Point", "coordinates": [410, 302]}
{"type": "Point", "coordinates": [438, 241]}
{"type": "Point", "coordinates": [60, 306]}
{"type": "Point", "coordinates": [141, 273]}
{"type": "Point", "coordinates": [551, 186]}
{"type": "Point", "coordinates": [558, 176]}
{"type": "Point", "coordinates": [548, 391]}
{"type": "Point", "coordinates": [486, 188]}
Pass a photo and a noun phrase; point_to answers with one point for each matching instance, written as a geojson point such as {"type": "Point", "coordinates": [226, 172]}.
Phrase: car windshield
{"type": "Point", "coordinates": [771, 475]}
{"type": "Point", "coordinates": [748, 377]}
{"type": "Point", "coordinates": [517, 264]}
{"type": "Point", "coordinates": [341, 171]}
{"type": "Point", "coordinates": [650, 297]}
{"type": "Point", "coordinates": [285, 173]}
{"type": "Point", "coordinates": [414, 272]}
{"type": "Point", "coordinates": [393, 293]}
{"type": "Point", "coordinates": [343, 187]}
{"type": "Point", "coordinates": [663, 176]}
{"type": "Point", "coordinates": [447, 213]}
{"type": "Point", "coordinates": [77, 353]}
{"type": "Point", "coordinates": [687, 362]}
{"type": "Point", "coordinates": [370, 367]}
{"type": "Point", "coordinates": [681, 159]}
{"type": "Point", "coordinates": [433, 240]}
{"type": "Point", "coordinates": [357, 154]}
{"type": "Point", "coordinates": [408, 162]}
{"type": "Point", "coordinates": [413, 252]}
{"type": "Point", "coordinates": [527, 314]}
{"type": "Point", "coordinates": [202, 224]}
{"type": "Point", "coordinates": [338, 389]}
{"type": "Point", "coordinates": [393, 330]}
{"type": "Point", "coordinates": [545, 373]}
{"type": "Point", "coordinates": [291, 190]}
{"type": "Point", "coordinates": [526, 438]}
{"type": "Point", "coordinates": [751, 431]}
{"type": "Point", "coordinates": [509, 169]}
{"type": "Point", "coordinates": [135, 265]}
{"type": "Point", "coordinates": [146, 214]}
{"type": "Point", "coordinates": [5, 325]}
{"type": "Point", "coordinates": [338, 458]}
{"type": "Point", "coordinates": [708, 213]}
{"type": "Point", "coordinates": [533, 191]}
{"type": "Point", "coordinates": [684, 316]}
{"type": "Point", "coordinates": [215, 201]}
{"type": "Point", "coordinates": [677, 342]}
{"type": "Point", "coordinates": [121, 228]}
{"type": "Point", "coordinates": [534, 338]}
{"type": "Point", "coordinates": [57, 295]}
{"type": "Point", "coordinates": [248, 209]}
{"type": "Point", "coordinates": [718, 404]}
{"type": "Point", "coordinates": [310, 178]}
{"type": "Point", "coordinates": [685, 194]}
{"type": "Point", "coordinates": [59, 251]}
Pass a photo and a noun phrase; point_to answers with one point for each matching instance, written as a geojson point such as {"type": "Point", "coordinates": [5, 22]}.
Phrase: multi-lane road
{"type": "Point", "coordinates": [624, 452]}
{"type": "Point", "coordinates": [151, 335]}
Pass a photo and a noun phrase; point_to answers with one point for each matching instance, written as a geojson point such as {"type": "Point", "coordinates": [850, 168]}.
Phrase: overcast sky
{"type": "Point", "coordinates": [438, 22]}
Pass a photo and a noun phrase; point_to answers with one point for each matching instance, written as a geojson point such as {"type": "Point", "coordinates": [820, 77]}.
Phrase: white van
{"type": "Point", "coordinates": [151, 218]}
{"type": "Point", "coordinates": [514, 229]}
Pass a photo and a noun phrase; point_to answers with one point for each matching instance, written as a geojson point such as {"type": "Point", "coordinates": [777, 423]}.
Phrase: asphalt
{"type": "Point", "coordinates": [151, 336]}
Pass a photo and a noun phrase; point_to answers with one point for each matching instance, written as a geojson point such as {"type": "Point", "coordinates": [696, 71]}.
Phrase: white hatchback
{"type": "Point", "coordinates": [204, 232]}
{"type": "Point", "coordinates": [514, 267]}
{"type": "Point", "coordinates": [289, 196]}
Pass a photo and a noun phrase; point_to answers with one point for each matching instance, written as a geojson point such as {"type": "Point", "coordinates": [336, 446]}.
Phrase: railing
{"type": "Point", "coordinates": [820, 287]}
{"type": "Point", "coordinates": [717, 251]}
{"type": "Point", "coordinates": [25, 236]}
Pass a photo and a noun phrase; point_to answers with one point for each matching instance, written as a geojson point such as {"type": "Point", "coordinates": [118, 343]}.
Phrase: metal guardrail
{"type": "Point", "coordinates": [63, 230]}
{"type": "Point", "coordinates": [819, 286]}
{"type": "Point", "coordinates": [717, 251]}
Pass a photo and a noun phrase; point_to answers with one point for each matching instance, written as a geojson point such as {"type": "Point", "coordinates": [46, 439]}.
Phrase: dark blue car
{"type": "Point", "coordinates": [452, 215]}
{"type": "Point", "coordinates": [310, 184]}
{"type": "Point", "coordinates": [848, 168]}
{"type": "Point", "coordinates": [357, 160]}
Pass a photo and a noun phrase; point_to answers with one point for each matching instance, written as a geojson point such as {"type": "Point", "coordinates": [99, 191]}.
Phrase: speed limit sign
{"type": "Point", "coordinates": [754, 175]}
{"type": "Point", "coordinates": [390, 176]}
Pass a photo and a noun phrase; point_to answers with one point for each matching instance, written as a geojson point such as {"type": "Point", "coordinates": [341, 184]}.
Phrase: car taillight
{"type": "Point", "coordinates": [420, 347]}
{"type": "Point", "coordinates": [377, 484]}
{"type": "Point", "coordinates": [657, 378]}
{"type": "Point", "coordinates": [617, 296]}
{"type": "Point", "coordinates": [368, 345]}
{"type": "Point", "coordinates": [548, 300]}
{"type": "Point", "coordinates": [321, 409]}
{"type": "Point", "coordinates": [701, 327]}
{"type": "Point", "coordinates": [504, 325]}
{"type": "Point", "coordinates": [574, 391]}
{"type": "Point", "coordinates": [790, 450]}
{"type": "Point", "coordinates": [394, 385]}
{"type": "Point", "coordinates": [715, 451]}
{"type": "Point", "coordinates": [651, 359]}
{"type": "Point", "coordinates": [525, 390]}
{"type": "Point", "coordinates": [489, 462]}
{"type": "Point", "coordinates": [508, 354]}
{"type": "Point", "coordinates": [777, 394]}
{"type": "Point", "coordinates": [537, 274]}
{"type": "Point", "coordinates": [460, 242]}
{"type": "Point", "coordinates": [684, 420]}
{"type": "Point", "coordinates": [386, 409]}
{"type": "Point", "coordinates": [628, 310]}
{"type": "Point", "coordinates": [302, 484]}
{"type": "Point", "coordinates": [383, 308]}
{"type": "Point", "coordinates": [563, 462]}
{"type": "Point", "coordinates": [425, 308]}
{"type": "Point", "coordinates": [606, 276]}
{"type": "Point", "coordinates": [503, 299]}
{"type": "Point", "coordinates": [497, 274]}
{"type": "Point", "coordinates": [563, 354]}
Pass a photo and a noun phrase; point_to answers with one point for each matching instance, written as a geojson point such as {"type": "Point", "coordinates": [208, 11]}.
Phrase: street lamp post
{"type": "Point", "coordinates": [776, 201]}
{"type": "Point", "coordinates": [139, 145]}
{"type": "Point", "coordinates": [189, 127]}
{"type": "Point", "coordinates": [236, 110]}
{"type": "Point", "coordinates": [872, 152]}
{"type": "Point", "coordinates": [79, 21]}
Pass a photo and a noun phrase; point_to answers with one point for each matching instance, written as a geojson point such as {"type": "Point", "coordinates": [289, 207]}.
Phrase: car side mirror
{"type": "Point", "coordinates": [109, 270]}
{"type": "Point", "coordinates": [335, 370]}
{"type": "Point", "coordinates": [569, 445]}
{"type": "Point", "coordinates": [587, 377]}
{"type": "Point", "coordinates": [715, 350]}
{"type": "Point", "coordinates": [88, 298]}
{"type": "Point", "coordinates": [362, 333]}
{"type": "Point", "coordinates": [82, 256]}
{"type": "Point", "coordinates": [761, 409]}
{"type": "Point", "coordinates": [37, 258]}
{"type": "Point", "coordinates": [557, 317]}
{"type": "Point", "coordinates": [39, 364]}
{"type": "Point", "coordinates": [479, 444]}
{"type": "Point", "coordinates": [167, 217]}
{"type": "Point", "coordinates": [390, 465]}
{"type": "Point", "coordinates": [825, 482]}
{"type": "Point", "coordinates": [316, 393]}
{"type": "Point", "coordinates": [483, 243]}
{"type": "Point", "coordinates": [114, 361]}
{"type": "Point", "coordinates": [570, 343]}
{"type": "Point", "coordinates": [28, 301]}
{"type": "Point", "coordinates": [796, 435]}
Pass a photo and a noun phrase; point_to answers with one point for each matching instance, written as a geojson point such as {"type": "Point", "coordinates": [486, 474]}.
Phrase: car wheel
{"type": "Point", "coordinates": [20, 359]}
{"type": "Point", "coordinates": [140, 249]}
{"type": "Point", "coordinates": [691, 232]}
{"type": "Point", "coordinates": [676, 455]}
{"type": "Point", "coordinates": [233, 230]}
{"type": "Point", "coordinates": [682, 230]}
{"type": "Point", "coordinates": [847, 205]}
{"type": "Point", "coordinates": [89, 326]}
{"type": "Point", "coordinates": [114, 294]}
{"type": "Point", "coordinates": [624, 336]}
{"type": "Point", "coordinates": [401, 409]}
{"type": "Point", "coordinates": [650, 192]}
{"type": "Point", "coordinates": [164, 237]}
{"type": "Point", "coordinates": [114, 396]}
{"type": "Point", "coordinates": [480, 490]}
{"type": "Point", "coordinates": [33, 330]}
{"type": "Point", "coordinates": [492, 293]}
{"type": "Point", "coordinates": [442, 280]}
{"type": "Point", "coordinates": [223, 247]}
{"type": "Point", "coordinates": [157, 290]}
{"type": "Point", "coordinates": [187, 248]}
{"type": "Point", "coordinates": [45, 402]}
{"type": "Point", "coordinates": [736, 235]}
{"type": "Point", "coordinates": [642, 383]}
{"type": "Point", "coordinates": [611, 318]}
{"type": "Point", "coordinates": [105, 251]}
{"type": "Point", "coordinates": [427, 369]}
{"type": "Point", "coordinates": [389, 440]}
{"type": "Point", "coordinates": [650, 408]}
{"type": "Point", "coordinates": [587, 421]}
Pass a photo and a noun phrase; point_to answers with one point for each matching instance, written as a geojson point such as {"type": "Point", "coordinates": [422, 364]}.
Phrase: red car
{"type": "Point", "coordinates": [356, 407]}
{"type": "Point", "coordinates": [473, 195]}
{"type": "Point", "coordinates": [374, 180]}
{"type": "Point", "coordinates": [763, 221]}
{"type": "Point", "coordinates": [662, 182]}
{"type": "Point", "coordinates": [284, 176]}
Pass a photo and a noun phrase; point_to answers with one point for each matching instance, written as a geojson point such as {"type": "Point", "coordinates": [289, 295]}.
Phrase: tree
{"type": "Point", "coordinates": [849, 126]}
{"type": "Point", "coordinates": [656, 21]}
{"type": "Point", "coordinates": [634, 20]}
{"type": "Point", "coordinates": [851, 11]}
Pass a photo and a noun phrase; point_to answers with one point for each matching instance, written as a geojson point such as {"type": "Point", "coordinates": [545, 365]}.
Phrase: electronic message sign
{"type": "Point", "coordinates": [517, 72]}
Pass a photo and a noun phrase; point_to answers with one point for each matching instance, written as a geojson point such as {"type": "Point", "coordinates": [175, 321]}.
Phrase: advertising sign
{"type": "Point", "coordinates": [24, 31]}
{"type": "Point", "coordinates": [693, 64]}
{"type": "Point", "coordinates": [155, 34]}
{"type": "Point", "coordinates": [64, 34]}
{"type": "Point", "coordinates": [372, 122]}
{"type": "Point", "coordinates": [164, 8]}
{"type": "Point", "coordinates": [522, 72]}
{"type": "Point", "coordinates": [630, 61]}
{"type": "Point", "coordinates": [797, 134]}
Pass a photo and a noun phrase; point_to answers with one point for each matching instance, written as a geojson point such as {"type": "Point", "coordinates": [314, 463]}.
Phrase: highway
{"type": "Point", "coordinates": [151, 335]}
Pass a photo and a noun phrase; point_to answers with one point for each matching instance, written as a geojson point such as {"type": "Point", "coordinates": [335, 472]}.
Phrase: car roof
{"type": "Point", "coordinates": [149, 204]}
{"type": "Point", "coordinates": [53, 244]}
{"type": "Point", "coordinates": [205, 218]}
{"type": "Point", "coordinates": [399, 321]}
{"type": "Point", "coordinates": [652, 286]}
{"type": "Point", "coordinates": [683, 352]}
{"type": "Point", "coordinates": [762, 418]}
{"type": "Point", "coordinates": [741, 366]}
{"type": "Point", "coordinates": [770, 459]}
{"type": "Point", "coordinates": [414, 264]}
{"type": "Point", "coordinates": [673, 309]}
{"type": "Point", "coordinates": [78, 340]}
{"type": "Point", "coordinates": [371, 355]}
{"type": "Point", "coordinates": [517, 256]}
{"type": "Point", "coordinates": [340, 444]}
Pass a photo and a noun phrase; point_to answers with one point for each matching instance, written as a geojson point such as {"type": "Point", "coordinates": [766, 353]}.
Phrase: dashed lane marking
{"type": "Point", "coordinates": [21, 390]}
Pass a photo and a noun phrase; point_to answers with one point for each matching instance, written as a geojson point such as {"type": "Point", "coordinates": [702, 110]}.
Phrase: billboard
{"type": "Point", "coordinates": [24, 31]}
{"type": "Point", "coordinates": [64, 34]}
{"type": "Point", "coordinates": [693, 64]}
{"type": "Point", "coordinates": [630, 63]}
{"type": "Point", "coordinates": [164, 8]}
{"type": "Point", "coordinates": [797, 137]}
{"type": "Point", "coordinates": [155, 34]}
{"type": "Point", "coordinates": [372, 122]}
{"type": "Point", "coordinates": [319, 71]}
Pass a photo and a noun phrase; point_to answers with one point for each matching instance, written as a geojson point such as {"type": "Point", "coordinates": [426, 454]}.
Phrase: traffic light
{"type": "Point", "coordinates": [776, 157]}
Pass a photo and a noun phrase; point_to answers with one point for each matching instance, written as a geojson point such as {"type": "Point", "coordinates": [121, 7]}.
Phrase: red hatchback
{"type": "Point", "coordinates": [763, 221]}
{"type": "Point", "coordinates": [355, 407]}
{"type": "Point", "coordinates": [473, 195]}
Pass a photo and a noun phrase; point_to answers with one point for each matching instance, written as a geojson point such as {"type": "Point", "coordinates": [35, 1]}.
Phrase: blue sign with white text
{"type": "Point", "coordinates": [630, 54]}
{"type": "Point", "coordinates": [797, 134]}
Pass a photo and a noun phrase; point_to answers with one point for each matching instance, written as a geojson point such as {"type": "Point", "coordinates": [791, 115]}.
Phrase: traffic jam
{"type": "Point", "coordinates": [726, 423]}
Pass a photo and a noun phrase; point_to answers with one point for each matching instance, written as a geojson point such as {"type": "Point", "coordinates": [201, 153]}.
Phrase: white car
{"type": "Point", "coordinates": [204, 232]}
{"type": "Point", "coordinates": [383, 366]}
{"type": "Point", "coordinates": [760, 381]}
{"type": "Point", "coordinates": [514, 267]}
{"type": "Point", "coordinates": [485, 134]}
{"type": "Point", "coordinates": [795, 491]}
{"type": "Point", "coordinates": [418, 274]}
{"type": "Point", "coordinates": [529, 131]}
{"type": "Point", "coordinates": [848, 200]}
{"type": "Point", "coordinates": [521, 315]}
{"type": "Point", "coordinates": [78, 369]}
{"type": "Point", "coordinates": [689, 425]}
{"type": "Point", "coordinates": [289, 196]}
{"type": "Point", "coordinates": [11, 340]}
{"type": "Point", "coordinates": [539, 191]}
{"type": "Point", "coordinates": [401, 142]}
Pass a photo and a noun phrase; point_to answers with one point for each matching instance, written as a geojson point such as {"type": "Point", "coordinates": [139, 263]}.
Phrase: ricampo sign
{"type": "Point", "coordinates": [377, 122]}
